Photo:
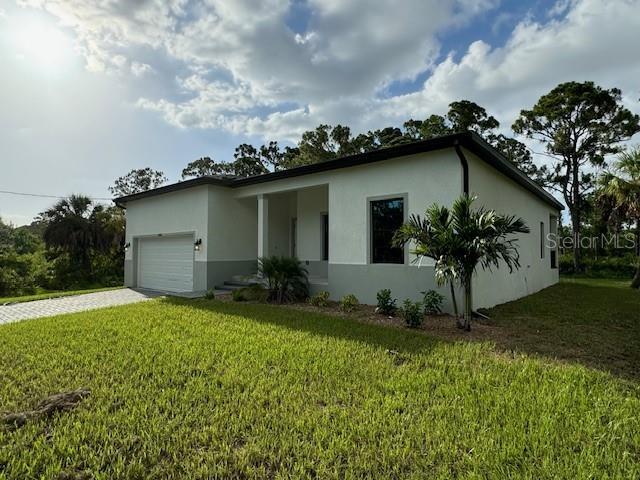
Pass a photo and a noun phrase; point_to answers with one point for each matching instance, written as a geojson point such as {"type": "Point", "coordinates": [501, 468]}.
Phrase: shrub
{"type": "Point", "coordinates": [622, 267]}
{"type": "Point", "coordinates": [411, 313]}
{"type": "Point", "coordinates": [210, 295]}
{"type": "Point", "coordinates": [252, 293]}
{"type": "Point", "coordinates": [286, 278]}
{"type": "Point", "coordinates": [432, 302]}
{"type": "Point", "coordinates": [18, 273]}
{"type": "Point", "coordinates": [386, 304]}
{"type": "Point", "coordinates": [237, 295]}
{"type": "Point", "coordinates": [349, 303]}
{"type": "Point", "coordinates": [320, 299]}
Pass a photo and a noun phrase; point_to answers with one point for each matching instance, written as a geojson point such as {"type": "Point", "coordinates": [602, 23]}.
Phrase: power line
{"type": "Point", "coordinates": [24, 194]}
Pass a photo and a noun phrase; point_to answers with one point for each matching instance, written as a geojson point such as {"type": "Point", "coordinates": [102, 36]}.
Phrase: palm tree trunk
{"type": "Point", "coordinates": [453, 298]}
{"type": "Point", "coordinates": [468, 306]}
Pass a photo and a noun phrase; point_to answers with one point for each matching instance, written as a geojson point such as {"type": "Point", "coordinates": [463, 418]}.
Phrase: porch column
{"type": "Point", "coordinates": [263, 226]}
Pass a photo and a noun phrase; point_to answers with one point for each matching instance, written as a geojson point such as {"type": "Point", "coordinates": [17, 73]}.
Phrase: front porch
{"type": "Point", "coordinates": [292, 223]}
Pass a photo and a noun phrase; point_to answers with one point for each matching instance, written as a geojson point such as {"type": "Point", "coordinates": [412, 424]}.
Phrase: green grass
{"type": "Point", "coordinates": [45, 294]}
{"type": "Point", "coordinates": [595, 322]}
{"type": "Point", "coordinates": [203, 389]}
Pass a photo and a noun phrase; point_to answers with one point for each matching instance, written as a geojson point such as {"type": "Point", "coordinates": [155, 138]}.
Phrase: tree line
{"type": "Point", "coordinates": [75, 243]}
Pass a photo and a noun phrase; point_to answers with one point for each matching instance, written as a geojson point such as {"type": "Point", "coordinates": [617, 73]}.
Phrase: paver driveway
{"type": "Point", "coordinates": [76, 303]}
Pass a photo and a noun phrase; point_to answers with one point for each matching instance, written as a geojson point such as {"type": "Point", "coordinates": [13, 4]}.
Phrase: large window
{"type": "Point", "coordinates": [386, 217]}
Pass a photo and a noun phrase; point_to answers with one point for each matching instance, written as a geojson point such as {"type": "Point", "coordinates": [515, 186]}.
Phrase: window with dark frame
{"type": "Point", "coordinates": [325, 236]}
{"type": "Point", "coordinates": [553, 231]}
{"type": "Point", "coordinates": [542, 246]}
{"type": "Point", "coordinates": [387, 216]}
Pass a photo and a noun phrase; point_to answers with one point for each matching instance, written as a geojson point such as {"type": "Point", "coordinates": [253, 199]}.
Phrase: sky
{"type": "Point", "coordinates": [92, 89]}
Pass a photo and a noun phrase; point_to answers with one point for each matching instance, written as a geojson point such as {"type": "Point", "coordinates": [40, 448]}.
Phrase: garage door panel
{"type": "Point", "coordinates": [166, 263]}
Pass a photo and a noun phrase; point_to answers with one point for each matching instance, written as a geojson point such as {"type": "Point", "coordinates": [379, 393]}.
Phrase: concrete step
{"type": "Point", "coordinates": [240, 281]}
{"type": "Point", "coordinates": [228, 288]}
{"type": "Point", "coordinates": [253, 278]}
{"type": "Point", "coordinates": [237, 283]}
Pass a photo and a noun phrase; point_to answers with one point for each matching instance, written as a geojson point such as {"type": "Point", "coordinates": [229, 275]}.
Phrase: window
{"type": "Point", "coordinates": [553, 237]}
{"type": "Point", "coordinates": [386, 217]}
{"type": "Point", "coordinates": [542, 240]}
{"type": "Point", "coordinates": [325, 236]}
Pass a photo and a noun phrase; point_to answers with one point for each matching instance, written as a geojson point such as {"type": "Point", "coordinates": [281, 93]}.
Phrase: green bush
{"type": "Point", "coordinates": [320, 299]}
{"type": "Point", "coordinates": [432, 302]}
{"type": "Point", "coordinates": [252, 293]}
{"type": "Point", "coordinates": [411, 313]}
{"type": "Point", "coordinates": [349, 303]}
{"type": "Point", "coordinates": [19, 274]}
{"type": "Point", "coordinates": [623, 267]}
{"type": "Point", "coordinates": [210, 295]}
{"type": "Point", "coordinates": [386, 304]}
{"type": "Point", "coordinates": [238, 295]}
{"type": "Point", "coordinates": [286, 278]}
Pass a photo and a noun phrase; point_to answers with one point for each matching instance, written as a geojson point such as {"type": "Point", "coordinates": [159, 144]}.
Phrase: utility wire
{"type": "Point", "coordinates": [47, 196]}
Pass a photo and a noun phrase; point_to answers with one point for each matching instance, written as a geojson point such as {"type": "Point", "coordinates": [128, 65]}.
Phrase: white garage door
{"type": "Point", "coordinates": [166, 263]}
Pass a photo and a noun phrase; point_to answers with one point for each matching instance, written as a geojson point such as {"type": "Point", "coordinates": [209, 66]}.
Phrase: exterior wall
{"type": "Point", "coordinates": [281, 211]}
{"type": "Point", "coordinates": [502, 194]}
{"type": "Point", "coordinates": [177, 212]}
{"type": "Point", "coordinates": [312, 203]}
{"type": "Point", "coordinates": [226, 225]}
{"type": "Point", "coordinates": [232, 244]}
{"type": "Point", "coordinates": [424, 179]}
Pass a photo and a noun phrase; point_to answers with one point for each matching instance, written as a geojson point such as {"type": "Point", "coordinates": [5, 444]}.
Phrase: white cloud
{"type": "Point", "coordinates": [240, 67]}
{"type": "Point", "coordinates": [596, 41]}
{"type": "Point", "coordinates": [139, 69]}
{"type": "Point", "coordinates": [210, 106]}
{"type": "Point", "coordinates": [350, 49]}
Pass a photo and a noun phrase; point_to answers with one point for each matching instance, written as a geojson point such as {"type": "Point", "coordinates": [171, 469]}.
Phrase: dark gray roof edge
{"type": "Point", "coordinates": [469, 140]}
{"type": "Point", "coordinates": [497, 160]}
{"type": "Point", "coordinates": [174, 187]}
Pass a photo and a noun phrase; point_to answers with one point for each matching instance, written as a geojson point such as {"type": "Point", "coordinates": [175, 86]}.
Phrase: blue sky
{"type": "Point", "coordinates": [91, 90]}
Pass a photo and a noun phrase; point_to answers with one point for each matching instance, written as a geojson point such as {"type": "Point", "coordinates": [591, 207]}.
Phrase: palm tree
{"type": "Point", "coordinates": [286, 278]}
{"type": "Point", "coordinates": [465, 238]}
{"type": "Point", "coordinates": [432, 237]}
{"type": "Point", "coordinates": [77, 227]}
{"type": "Point", "coordinates": [621, 186]}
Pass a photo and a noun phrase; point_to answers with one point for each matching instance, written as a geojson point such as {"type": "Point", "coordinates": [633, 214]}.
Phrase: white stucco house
{"type": "Point", "coordinates": [337, 218]}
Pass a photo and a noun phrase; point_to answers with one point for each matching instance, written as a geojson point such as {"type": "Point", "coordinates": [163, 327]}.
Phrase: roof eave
{"type": "Point", "coordinates": [469, 140]}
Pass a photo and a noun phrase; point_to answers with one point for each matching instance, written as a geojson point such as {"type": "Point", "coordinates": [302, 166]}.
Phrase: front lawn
{"type": "Point", "coordinates": [205, 389]}
{"type": "Point", "coordinates": [592, 321]}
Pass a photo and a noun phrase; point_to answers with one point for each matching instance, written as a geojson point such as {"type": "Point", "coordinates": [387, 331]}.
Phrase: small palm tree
{"type": "Point", "coordinates": [621, 186]}
{"type": "Point", "coordinates": [463, 238]}
{"type": "Point", "coordinates": [432, 237]}
{"type": "Point", "coordinates": [286, 278]}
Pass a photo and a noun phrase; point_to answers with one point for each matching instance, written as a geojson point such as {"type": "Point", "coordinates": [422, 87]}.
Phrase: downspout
{"type": "Point", "coordinates": [465, 167]}
{"type": "Point", "coordinates": [465, 189]}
